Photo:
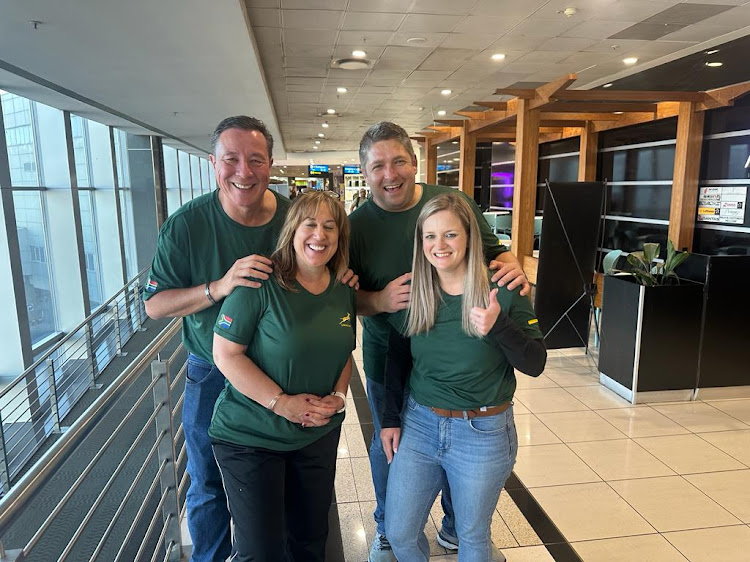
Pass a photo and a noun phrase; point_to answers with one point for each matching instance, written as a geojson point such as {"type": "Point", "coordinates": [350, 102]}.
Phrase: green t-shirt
{"type": "Point", "coordinates": [381, 249]}
{"type": "Point", "coordinates": [301, 341]}
{"type": "Point", "coordinates": [200, 243]}
{"type": "Point", "coordinates": [456, 371]}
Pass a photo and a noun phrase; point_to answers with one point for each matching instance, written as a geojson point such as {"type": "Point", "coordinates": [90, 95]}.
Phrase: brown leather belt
{"type": "Point", "coordinates": [469, 414]}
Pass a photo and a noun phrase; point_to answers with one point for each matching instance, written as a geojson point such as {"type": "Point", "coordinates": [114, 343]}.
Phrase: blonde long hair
{"type": "Point", "coordinates": [425, 285]}
{"type": "Point", "coordinates": [284, 257]}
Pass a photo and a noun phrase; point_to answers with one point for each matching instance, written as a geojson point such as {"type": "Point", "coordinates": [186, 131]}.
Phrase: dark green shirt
{"type": "Point", "coordinates": [459, 372]}
{"type": "Point", "coordinates": [381, 249]}
{"type": "Point", "coordinates": [200, 243]}
{"type": "Point", "coordinates": [301, 341]}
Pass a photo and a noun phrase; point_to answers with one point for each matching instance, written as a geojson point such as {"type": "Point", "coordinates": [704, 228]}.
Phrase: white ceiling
{"type": "Point", "coordinates": [177, 67]}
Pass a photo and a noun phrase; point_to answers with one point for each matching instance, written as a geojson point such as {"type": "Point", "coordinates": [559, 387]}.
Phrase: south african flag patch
{"type": "Point", "coordinates": [224, 322]}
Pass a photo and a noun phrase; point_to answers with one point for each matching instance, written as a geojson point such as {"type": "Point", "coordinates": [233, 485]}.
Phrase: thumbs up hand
{"type": "Point", "coordinates": [484, 318]}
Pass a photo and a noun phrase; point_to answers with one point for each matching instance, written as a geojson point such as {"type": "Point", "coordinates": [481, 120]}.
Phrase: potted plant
{"type": "Point", "coordinates": [650, 329]}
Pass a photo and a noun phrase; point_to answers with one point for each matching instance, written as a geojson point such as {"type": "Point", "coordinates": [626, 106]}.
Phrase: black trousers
{"type": "Point", "coordinates": [279, 500]}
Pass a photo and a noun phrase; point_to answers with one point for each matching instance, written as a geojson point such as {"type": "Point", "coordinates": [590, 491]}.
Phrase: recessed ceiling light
{"type": "Point", "coordinates": [341, 90]}
{"type": "Point", "coordinates": [321, 135]}
{"type": "Point", "coordinates": [317, 142]}
{"type": "Point", "coordinates": [441, 112]}
{"type": "Point", "coordinates": [607, 85]}
{"type": "Point", "coordinates": [630, 60]}
{"type": "Point", "coordinates": [712, 51]}
{"type": "Point", "coordinates": [498, 56]}
{"type": "Point", "coordinates": [446, 92]}
{"type": "Point", "coordinates": [330, 111]}
{"type": "Point", "coordinates": [714, 64]}
{"type": "Point", "coordinates": [315, 148]}
{"type": "Point", "coordinates": [454, 142]}
{"type": "Point", "coordinates": [618, 112]}
{"type": "Point", "coordinates": [359, 54]}
{"type": "Point", "coordinates": [325, 125]}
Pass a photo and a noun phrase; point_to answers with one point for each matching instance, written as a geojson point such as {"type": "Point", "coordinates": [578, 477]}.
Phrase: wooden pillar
{"type": "Point", "coordinates": [430, 162]}
{"type": "Point", "coordinates": [687, 158]}
{"type": "Point", "coordinates": [468, 158]}
{"type": "Point", "coordinates": [524, 182]}
{"type": "Point", "coordinates": [587, 158]}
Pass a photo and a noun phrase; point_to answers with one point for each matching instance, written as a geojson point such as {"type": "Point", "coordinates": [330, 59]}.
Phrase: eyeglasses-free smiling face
{"type": "Point", "coordinates": [444, 242]}
{"type": "Point", "coordinates": [389, 173]}
{"type": "Point", "coordinates": [243, 169]}
{"type": "Point", "coordinates": [316, 240]}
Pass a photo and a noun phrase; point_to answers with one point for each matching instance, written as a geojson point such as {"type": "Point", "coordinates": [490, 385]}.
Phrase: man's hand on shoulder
{"type": "Point", "coordinates": [256, 266]}
{"type": "Point", "coordinates": [395, 295]}
{"type": "Point", "coordinates": [350, 278]}
{"type": "Point", "coordinates": [510, 273]}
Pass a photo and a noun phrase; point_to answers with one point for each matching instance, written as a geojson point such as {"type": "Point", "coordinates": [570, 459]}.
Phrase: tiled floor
{"type": "Point", "coordinates": [659, 482]}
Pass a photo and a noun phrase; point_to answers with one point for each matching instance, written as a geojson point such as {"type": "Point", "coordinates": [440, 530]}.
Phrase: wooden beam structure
{"type": "Point", "coordinates": [430, 163]}
{"type": "Point", "coordinates": [588, 153]}
{"type": "Point", "coordinates": [687, 161]}
{"type": "Point", "coordinates": [524, 180]}
{"type": "Point", "coordinates": [553, 112]}
{"type": "Point", "coordinates": [468, 157]}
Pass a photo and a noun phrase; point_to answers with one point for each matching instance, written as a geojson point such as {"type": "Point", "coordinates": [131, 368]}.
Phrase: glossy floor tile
{"type": "Point", "coordinates": [531, 431]}
{"type": "Point", "coordinates": [672, 503]}
{"type": "Point", "coordinates": [551, 465]}
{"type": "Point", "coordinates": [734, 443]}
{"type": "Point", "coordinates": [739, 409]}
{"type": "Point", "coordinates": [686, 454]}
{"type": "Point", "coordinates": [731, 490]}
{"type": "Point", "coordinates": [722, 544]}
{"type": "Point", "coordinates": [701, 417]}
{"type": "Point", "coordinates": [543, 400]}
{"type": "Point", "coordinates": [641, 421]}
{"type": "Point", "coordinates": [580, 426]}
{"type": "Point", "coordinates": [652, 548]}
{"type": "Point", "coordinates": [620, 460]}
{"type": "Point", "coordinates": [590, 511]}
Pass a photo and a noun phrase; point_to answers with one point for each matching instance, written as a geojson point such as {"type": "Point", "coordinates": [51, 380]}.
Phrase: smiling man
{"type": "Point", "coordinates": [209, 246]}
{"type": "Point", "coordinates": [382, 243]}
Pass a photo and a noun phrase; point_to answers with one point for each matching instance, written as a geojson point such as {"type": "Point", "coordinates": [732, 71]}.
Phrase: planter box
{"type": "Point", "coordinates": [650, 339]}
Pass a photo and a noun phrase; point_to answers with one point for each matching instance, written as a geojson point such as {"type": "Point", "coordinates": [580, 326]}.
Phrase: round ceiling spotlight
{"type": "Point", "coordinates": [441, 112]}
{"type": "Point", "coordinates": [325, 125]}
{"type": "Point", "coordinates": [715, 64]}
{"type": "Point", "coordinates": [341, 90]}
{"type": "Point", "coordinates": [359, 54]}
{"type": "Point", "coordinates": [712, 51]}
{"type": "Point", "coordinates": [630, 61]}
{"type": "Point", "coordinates": [498, 56]}
{"type": "Point", "coordinates": [351, 64]}
{"type": "Point", "coordinates": [321, 135]}
{"type": "Point", "coordinates": [331, 111]}
{"type": "Point", "coordinates": [416, 40]}
{"type": "Point", "coordinates": [446, 92]}
{"type": "Point", "coordinates": [608, 85]}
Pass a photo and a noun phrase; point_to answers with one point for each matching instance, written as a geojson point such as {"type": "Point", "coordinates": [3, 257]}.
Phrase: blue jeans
{"type": "Point", "coordinates": [379, 464]}
{"type": "Point", "coordinates": [207, 511]}
{"type": "Point", "coordinates": [475, 456]}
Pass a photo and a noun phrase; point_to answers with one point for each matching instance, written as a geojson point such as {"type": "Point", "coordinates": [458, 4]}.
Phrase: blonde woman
{"type": "Point", "coordinates": [465, 337]}
{"type": "Point", "coordinates": [285, 350]}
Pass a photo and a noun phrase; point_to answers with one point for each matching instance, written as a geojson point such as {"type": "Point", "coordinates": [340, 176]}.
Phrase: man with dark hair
{"type": "Point", "coordinates": [382, 244]}
{"type": "Point", "coordinates": [209, 246]}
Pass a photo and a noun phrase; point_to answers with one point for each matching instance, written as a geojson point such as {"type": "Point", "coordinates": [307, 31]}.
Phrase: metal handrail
{"type": "Point", "coordinates": [101, 308]}
{"type": "Point", "coordinates": [48, 390]}
{"type": "Point", "coordinates": [169, 475]}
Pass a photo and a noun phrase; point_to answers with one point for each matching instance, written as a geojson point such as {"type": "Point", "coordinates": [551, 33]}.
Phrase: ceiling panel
{"type": "Point", "coordinates": [264, 17]}
{"type": "Point", "coordinates": [311, 19]}
{"type": "Point", "coordinates": [370, 21]}
{"type": "Point", "coordinates": [426, 22]}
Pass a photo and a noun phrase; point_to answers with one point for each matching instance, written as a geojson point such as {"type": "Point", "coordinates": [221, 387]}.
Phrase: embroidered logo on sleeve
{"type": "Point", "coordinates": [533, 321]}
{"type": "Point", "coordinates": [151, 286]}
{"type": "Point", "coordinates": [224, 322]}
{"type": "Point", "coordinates": [346, 321]}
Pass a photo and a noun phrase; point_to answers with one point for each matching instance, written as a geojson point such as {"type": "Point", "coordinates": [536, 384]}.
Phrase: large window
{"type": "Point", "coordinates": [91, 248]}
{"type": "Point", "coordinates": [19, 134]}
{"type": "Point", "coordinates": [35, 263]}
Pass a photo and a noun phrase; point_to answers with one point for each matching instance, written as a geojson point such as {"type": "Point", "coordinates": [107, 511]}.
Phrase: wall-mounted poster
{"type": "Point", "coordinates": [722, 204]}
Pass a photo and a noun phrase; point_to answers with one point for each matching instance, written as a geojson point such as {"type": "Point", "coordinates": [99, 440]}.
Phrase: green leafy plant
{"type": "Point", "coordinates": [644, 266]}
